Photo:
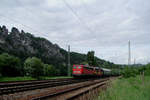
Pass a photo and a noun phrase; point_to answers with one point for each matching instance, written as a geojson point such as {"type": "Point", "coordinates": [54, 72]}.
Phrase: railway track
{"type": "Point", "coordinates": [16, 83]}
{"type": "Point", "coordinates": [64, 89]}
{"type": "Point", "coordinates": [71, 92]}
{"type": "Point", "coordinates": [13, 87]}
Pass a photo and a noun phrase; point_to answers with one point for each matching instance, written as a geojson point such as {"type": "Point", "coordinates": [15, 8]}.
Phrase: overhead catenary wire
{"type": "Point", "coordinates": [31, 12]}
{"type": "Point", "coordinates": [73, 11]}
{"type": "Point", "coordinates": [28, 10]}
{"type": "Point", "coordinates": [68, 6]}
{"type": "Point", "coordinates": [85, 6]}
{"type": "Point", "coordinates": [78, 17]}
{"type": "Point", "coordinates": [16, 21]}
{"type": "Point", "coordinates": [82, 22]}
{"type": "Point", "coordinates": [28, 27]}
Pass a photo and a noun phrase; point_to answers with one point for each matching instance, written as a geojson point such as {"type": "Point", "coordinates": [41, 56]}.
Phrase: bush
{"type": "Point", "coordinates": [49, 70]}
{"type": "Point", "coordinates": [147, 69]}
{"type": "Point", "coordinates": [33, 67]}
{"type": "Point", "coordinates": [115, 72]}
{"type": "Point", "coordinates": [129, 72]}
{"type": "Point", "coordinates": [10, 65]}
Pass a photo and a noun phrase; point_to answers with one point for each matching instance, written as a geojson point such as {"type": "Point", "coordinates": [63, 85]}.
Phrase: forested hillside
{"type": "Point", "coordinates": [23, 45]}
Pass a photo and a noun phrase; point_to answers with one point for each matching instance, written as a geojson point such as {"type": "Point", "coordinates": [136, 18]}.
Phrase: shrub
{"type": "Point", "coordinates": [10, 65]}
{"type": "Point", "coordinates": [129, 72]}
{"type": "Point", "coordinates": [147, 69]}
{"type": "Point", "coordinates": [33, 67]}
{"type": "Point", "coordinates": [49, 70]}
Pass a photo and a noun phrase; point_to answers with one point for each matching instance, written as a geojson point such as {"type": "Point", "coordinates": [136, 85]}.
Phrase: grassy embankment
{"type": "Point", "coordinates": [5, 79]}
{"type": "Point", "coordinates": [134, 88]}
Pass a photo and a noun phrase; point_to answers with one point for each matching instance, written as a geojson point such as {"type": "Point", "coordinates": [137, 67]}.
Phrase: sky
{"type": "Point", "coordinates": [104, 26]}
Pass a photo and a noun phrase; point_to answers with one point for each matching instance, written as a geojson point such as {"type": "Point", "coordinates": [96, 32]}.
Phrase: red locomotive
{"type": "Point", "coordinates": [85, 70]}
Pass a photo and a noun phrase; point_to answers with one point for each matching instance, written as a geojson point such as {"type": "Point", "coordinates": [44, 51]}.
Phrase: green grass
{"type": "Point", "coordinates": [128, 89]}
{"type": "Point", "coordinates": [6, 79]}
{"type": "Point", "coordinates": [56, 77]}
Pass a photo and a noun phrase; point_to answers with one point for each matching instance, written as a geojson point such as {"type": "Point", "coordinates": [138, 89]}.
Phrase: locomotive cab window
{"type": "Point", "coordinates": [79, 67]}
{"type": "Point", "coordinates": [74, 67]}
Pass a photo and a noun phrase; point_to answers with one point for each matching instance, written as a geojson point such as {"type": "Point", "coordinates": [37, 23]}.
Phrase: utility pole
{"type": "Point", "coordinates": [129, 56]}
{"type": "Point", "coordinates": [134, 61]}
{"type": "Point", "coordinates": [69, 73]}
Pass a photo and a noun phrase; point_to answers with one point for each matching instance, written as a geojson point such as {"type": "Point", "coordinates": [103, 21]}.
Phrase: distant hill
{"type": "Point", "coordinates": [23, 45]}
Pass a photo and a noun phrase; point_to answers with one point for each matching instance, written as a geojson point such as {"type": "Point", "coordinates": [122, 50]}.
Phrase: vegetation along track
{"type": "Point", "coordinates": [13, 87]}
{"type": "Point", "coordinates": [71, 92]}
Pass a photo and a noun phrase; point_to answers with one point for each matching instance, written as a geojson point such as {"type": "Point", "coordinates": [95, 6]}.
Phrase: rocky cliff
{"type": "Point", "coordinates": [23, 45]}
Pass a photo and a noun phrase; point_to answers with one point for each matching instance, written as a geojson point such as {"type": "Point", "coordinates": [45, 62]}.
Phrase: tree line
{"type": "Point", "coordinates": [12, 66]}
{"type": "Point", "coordinates": [132, 71]}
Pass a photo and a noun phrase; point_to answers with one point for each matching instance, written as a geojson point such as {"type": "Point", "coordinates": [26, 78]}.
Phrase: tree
{"type": "Point", "coordinates": [49, 70]}
{"type": "Point", "coordinates": [63, 70]}
{"type": "Point", "coordinates": [91, 59]}
{"type": "Point", "coordinates": [147, 69]}
{"type": "Point", "coordinates": [33, 67]}
{"type": "Point", "coordinates": [84, 63]}
{"type": "Point", "coordinates": [129, 72]}
{"type": "Point", "coordinates": [10, 65]}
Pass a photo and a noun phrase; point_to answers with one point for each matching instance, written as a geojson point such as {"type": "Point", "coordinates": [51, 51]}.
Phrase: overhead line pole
{"type": "Point", "coordinates": [129, 56]}
{"type": "Point", "coordinates": [69, 69]}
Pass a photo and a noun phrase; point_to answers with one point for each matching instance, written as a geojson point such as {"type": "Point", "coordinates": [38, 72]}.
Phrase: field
{"type": "Point", "coordinates": [5, 79]}
{"type": "Point", "coordinates": [134, 88]}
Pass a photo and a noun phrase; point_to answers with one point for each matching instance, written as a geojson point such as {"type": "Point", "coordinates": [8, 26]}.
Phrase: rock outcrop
{"type": "Point", "coordinates": [25, 45]}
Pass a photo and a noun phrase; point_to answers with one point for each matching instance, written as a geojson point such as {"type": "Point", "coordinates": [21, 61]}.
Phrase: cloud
{"type": "Point", "coordinates": [104, 26]}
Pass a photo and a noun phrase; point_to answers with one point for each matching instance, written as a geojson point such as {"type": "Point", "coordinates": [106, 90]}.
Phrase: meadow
{"type": "Point", "coordinates": [6, 79]}
{"type": "Point", "coordinates": [133, 88]}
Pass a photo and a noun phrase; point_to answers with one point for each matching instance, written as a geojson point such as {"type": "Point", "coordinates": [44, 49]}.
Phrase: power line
{"type": "Point", "coordinates": [85, 6]}
{"type": "Point", "coordinates": [13, 20]}
{"type": "Point", "coordinates": [28, 10]}
{"type": "Point", "coordinates": [77, 16]}
{"type": "Point", "coordinates": [72, 10]}
{"type": "Point", "coordinates": [23, 6]}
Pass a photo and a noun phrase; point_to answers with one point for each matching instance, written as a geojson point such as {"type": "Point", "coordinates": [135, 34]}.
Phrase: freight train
{"type": "Point", "coordinates": [90, 71]}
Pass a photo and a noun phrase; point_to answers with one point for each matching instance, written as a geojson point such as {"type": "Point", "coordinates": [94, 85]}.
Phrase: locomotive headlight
{"type": "Point", "coordinates": [78, 72]}
{"type": "Point", "coordinates": [79, 67]}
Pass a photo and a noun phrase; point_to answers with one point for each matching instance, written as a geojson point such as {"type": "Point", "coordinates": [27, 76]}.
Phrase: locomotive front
{"type": "Point", "coordinates": [77, 70]}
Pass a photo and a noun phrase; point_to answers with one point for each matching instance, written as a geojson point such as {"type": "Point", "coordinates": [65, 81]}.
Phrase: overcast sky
{"type": "Point", "coordinates": [104, 26]}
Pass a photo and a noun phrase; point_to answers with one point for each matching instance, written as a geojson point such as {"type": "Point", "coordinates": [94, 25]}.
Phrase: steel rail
{"type": "Point", "coordinates": [69, 90]}
{"type": "Point", "coordinates": [38, 85]}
